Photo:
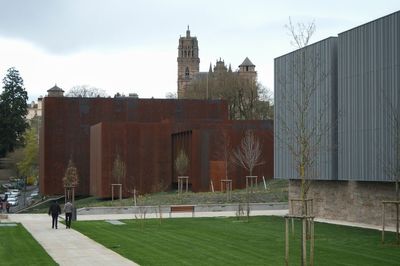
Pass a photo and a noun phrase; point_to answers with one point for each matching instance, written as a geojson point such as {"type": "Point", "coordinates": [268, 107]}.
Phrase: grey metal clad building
{"type": "Point", "coordinates": [315, 64]}
{"type": "Point", "coordinates": [360, 100]}
{"type": "Point", "coordinates": [368, 97]}
{"type": "Point", "coordinates": [358, 80]}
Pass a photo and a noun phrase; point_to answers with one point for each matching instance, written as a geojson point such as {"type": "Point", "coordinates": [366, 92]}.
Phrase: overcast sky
{"type": "Point", "coordinates": [131, 46]}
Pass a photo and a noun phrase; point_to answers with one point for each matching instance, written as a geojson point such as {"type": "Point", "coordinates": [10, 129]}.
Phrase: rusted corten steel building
{"type": "Point", "coordinates": [206, 144]}
{"type": "Point", "coordinates": [147, 134]}
{"type": "Point", "coordinates": [150, 149]}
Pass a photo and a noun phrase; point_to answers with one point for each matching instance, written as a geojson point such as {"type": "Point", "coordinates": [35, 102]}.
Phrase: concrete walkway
{"type": "Point", "coordinates": [94, 217]}
{"type": "Point", "coordinates": [67, 246]}
{"type": "Point", "coordinates": [354, 224]}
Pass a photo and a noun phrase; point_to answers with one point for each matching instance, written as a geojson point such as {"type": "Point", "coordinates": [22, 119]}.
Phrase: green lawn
{"type": "Point", "coordinates": [18, 247]}
{"type": "Point", "coordinates": [227, 241]}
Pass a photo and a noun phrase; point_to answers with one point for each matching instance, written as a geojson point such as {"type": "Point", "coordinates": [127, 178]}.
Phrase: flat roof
{"type": "Point", "coordinates": [323, 40]}
{"type": "Point", "coordinates": [370, 22]}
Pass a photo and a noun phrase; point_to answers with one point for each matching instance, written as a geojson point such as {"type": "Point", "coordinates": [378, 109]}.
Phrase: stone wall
{"type": "Point", "coordinates": [351, 201]}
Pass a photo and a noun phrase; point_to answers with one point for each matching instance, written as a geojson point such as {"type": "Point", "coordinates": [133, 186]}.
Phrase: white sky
{"type": "Point", "coordinates": [131, 46]}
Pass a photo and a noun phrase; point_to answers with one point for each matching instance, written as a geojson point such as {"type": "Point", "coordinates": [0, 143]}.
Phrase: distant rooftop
{"type": "Point", "coordinates": [247, 62]}
{"type": "Point", "coordinates": [55, 89]}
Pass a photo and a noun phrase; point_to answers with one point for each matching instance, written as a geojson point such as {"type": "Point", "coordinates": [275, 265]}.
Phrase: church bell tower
{"type": "Point", "coordinates": [188, 61]}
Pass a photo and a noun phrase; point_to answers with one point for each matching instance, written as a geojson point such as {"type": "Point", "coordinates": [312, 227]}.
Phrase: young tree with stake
{"type": "Point", "coordinates": [248, 154]}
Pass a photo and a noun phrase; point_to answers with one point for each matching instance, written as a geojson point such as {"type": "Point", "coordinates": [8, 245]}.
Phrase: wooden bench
{"type": "Point", "coordinates": [181, 208]}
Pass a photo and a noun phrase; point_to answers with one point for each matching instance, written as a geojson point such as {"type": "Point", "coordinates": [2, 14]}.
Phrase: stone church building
{"type": "Point", "coordinates": [189, 66]}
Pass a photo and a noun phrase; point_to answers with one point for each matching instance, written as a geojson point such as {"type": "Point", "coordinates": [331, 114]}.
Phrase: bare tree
{"type": "Point", "coordinates": [119, 169]}
{"type": "Point", "coordinates": [118, 172]}
{"type": "Point", "coordinates": [248, 156]}
{"type": "Point", "coordinates": [304, 124]}
{"type": "Point", "coordinates": [71, 177]}
{"type": "Point", "coordinates": [264, 106]}
{"type": "Point", "coordinates": [248, 153]}
{"type": "Point", "coordinates": [391, 162]}
{"type": "Point", "coordinates": [303, 116]}
{"type": "Point", "coordinates": [247, 99]}
{"type": "Point", "coordinates": [181, 163]}
{"type": "Point", "coordinates": [86, 91]}
{"type": "Point", "coordinates": [302, 148]}
{"type": "Point", "coordinates": [171, 95]}
{"type": "Point", "coordinates": [70, 181]}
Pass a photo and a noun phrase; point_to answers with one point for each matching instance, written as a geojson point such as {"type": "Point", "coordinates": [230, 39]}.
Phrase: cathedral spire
{"type": "Point", "coordinates": [210, 69]}
{"type": "Point", "coordinates": [188, 32]}
{"type": "Point", "coordinates": [188, 61]}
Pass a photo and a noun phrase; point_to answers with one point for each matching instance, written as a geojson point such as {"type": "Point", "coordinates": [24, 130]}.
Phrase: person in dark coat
{"type": "Point", "coordinates": [54, 210]}
{"type": "Point", "coordinates": [8, 205]}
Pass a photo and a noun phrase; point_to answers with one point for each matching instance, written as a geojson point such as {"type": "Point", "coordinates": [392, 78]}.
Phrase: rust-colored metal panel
{"type": "Point", "coordinates": [95, 158]}
{"type": "Point", "coordinates": [217, 173]}
{"type": "Point", "coordinates": [143, 147]}
{"type": "Point", "coordinates": [197, 174]}
{"type": "Point", "coordinates": [67, 122]}
{"type": "Point", "coordinates": [147, 134]}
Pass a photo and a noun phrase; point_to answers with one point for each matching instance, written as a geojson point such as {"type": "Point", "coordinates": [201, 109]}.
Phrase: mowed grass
{"type": "Point", "coordinates": [18, 247]}
{"type": "Point", "coordinates": [228, 241]}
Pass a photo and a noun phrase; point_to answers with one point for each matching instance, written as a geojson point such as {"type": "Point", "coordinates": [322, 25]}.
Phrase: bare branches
{"type": "Point", "coordinates": [391, 163]}
{"type": "Point", "coordinates": [119, 169]}
{"type": "Point", "coordinates": [71, 177]}
{"type": "Point", "coordinates": [300, 33]}
{"type": "Point", "coordinates": [171, 95]}
{"type": "Point", "coordinates": [86, 91]}
{"type": "Point", "coordinates": [248, 154]}
{"type": "Point", "coordinates": [181, 162]}
{"type": "Point", "coordinates": [303, 117]}
{"type": "Point", "coordinates": [246, 99]}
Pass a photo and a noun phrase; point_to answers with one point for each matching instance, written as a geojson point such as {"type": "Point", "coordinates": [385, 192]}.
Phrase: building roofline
{"type": "Point", "coordinates": [369, 22]}
{"type": "Point", "coordinates": [331, 37]}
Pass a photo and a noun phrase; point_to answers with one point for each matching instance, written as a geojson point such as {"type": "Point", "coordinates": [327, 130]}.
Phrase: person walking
{"type": "Point", "coordinates": [8, 205]}
{"type": "Point", "coordinates": [68, 208]}
{"type": "Point", "coordinates": [54, 210]}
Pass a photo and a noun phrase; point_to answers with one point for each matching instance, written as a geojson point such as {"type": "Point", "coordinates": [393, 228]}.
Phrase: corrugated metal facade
{"type": "Point", "coordinates": [364, 70]}
{"type": "Point", "coordinates": [369, 91]}
{"type": "Point", "coordinates": [318, 64]}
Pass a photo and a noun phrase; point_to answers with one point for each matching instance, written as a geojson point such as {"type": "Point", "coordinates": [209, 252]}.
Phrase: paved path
{"type": "Point", "coordinates": [360, 225]}
{"type": "Point", "coordinates": [93, 217]}
{"type": "Point", "coordinates": [67, 246]}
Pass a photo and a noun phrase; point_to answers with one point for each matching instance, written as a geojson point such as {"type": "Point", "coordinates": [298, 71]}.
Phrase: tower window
{"type": "Point", "coordinates": [187, 72]}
